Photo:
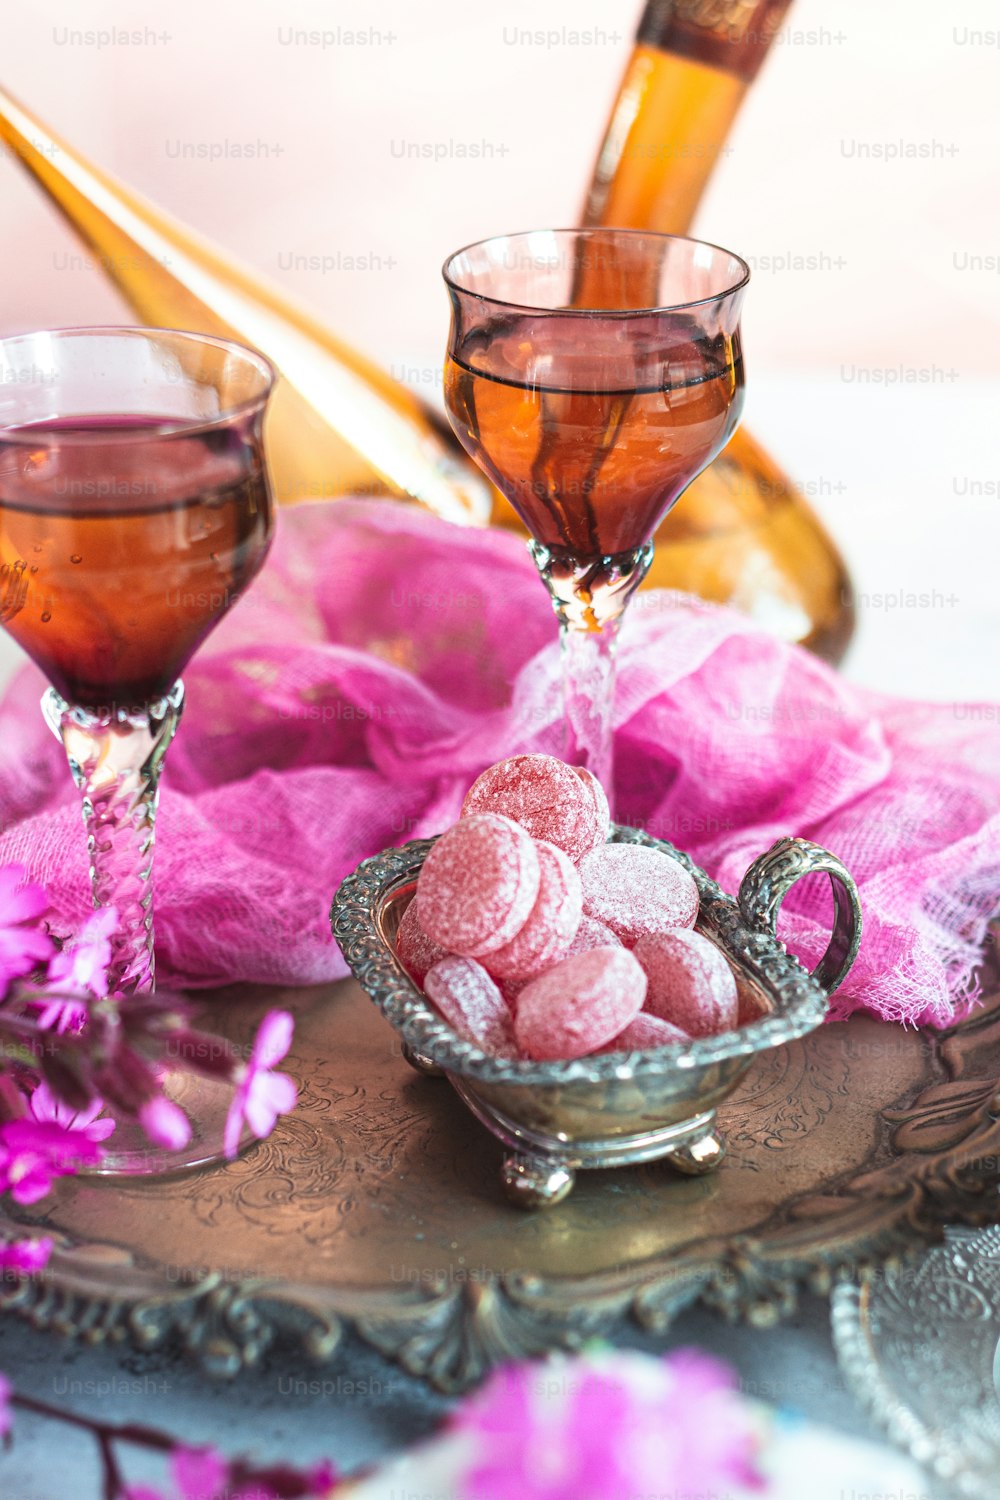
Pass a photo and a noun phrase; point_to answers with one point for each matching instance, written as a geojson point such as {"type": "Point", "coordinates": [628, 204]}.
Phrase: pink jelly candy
{"type": "Point", "coordinates": [646, 1031]}
{"type": "Point", "coordinates": [478, 884]}
{"type": "Point", "coordinates": [552, 922]}
{"type": "Point", "coordinates": [637, 891]}
{"type": "Point", "coordinates": [417, 952]}
{"type": "Point", "coordinates": [580, 1004]}
{"type": "Point", "coordinates": [470, 1002]}
{"type": "Point", "coordinates": [690, 982]}
{"type": "Point", "coordinates": [546, 797]}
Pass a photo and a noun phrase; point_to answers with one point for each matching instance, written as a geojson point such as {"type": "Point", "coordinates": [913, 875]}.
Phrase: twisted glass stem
{"type": "Point", "coordinates": [590, 597]}
{"type": "Point", "coordinates": [589, 669]}
{"type": "Point", "coordinates": [115, 759]}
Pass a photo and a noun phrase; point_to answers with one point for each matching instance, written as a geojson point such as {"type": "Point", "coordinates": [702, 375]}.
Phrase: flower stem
{"type": "Point", "coordinates": [111, 1432]}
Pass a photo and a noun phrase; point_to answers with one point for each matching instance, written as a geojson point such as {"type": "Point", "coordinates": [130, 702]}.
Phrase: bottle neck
{"type": "Point", "coordinates": [685, 81]}
{"type": "Point", "coordinates": [667, 130]}
{"type": "Point", "coordinates": [732, 35]}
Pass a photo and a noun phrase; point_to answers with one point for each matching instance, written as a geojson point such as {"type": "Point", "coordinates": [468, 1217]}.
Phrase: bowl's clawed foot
{"type": "Point", "coordinates": [422, 1064]}
{"type": "Point", "coordinates": [699, 1157]}
{"type": "Point", "coordinates": [533, 1182]}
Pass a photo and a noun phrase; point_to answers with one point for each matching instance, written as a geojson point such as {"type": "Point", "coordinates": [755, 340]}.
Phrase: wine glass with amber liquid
{"type": "Point", "coordinates": [593, 374]}
{"type": "Point", "coordinates": [134, 510]}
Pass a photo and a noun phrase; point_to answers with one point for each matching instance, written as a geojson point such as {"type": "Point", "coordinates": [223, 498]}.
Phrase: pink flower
{"type": "Point", "coordinates": [203, 1474]}
{"type": "Point", "coordinates": [165, 1123]}
{"type": "Point", "coordinates": [47, 1109]}
{"type": "Point", "coordinates": [64, 1014]}
{"type": "Point", "coordinates": [196, 1474]}
{"type": "Point", "coordinates": [262, 1095]}
{"type": "Point", "coordinates": [23, 943]}
{"type": "Point", "coordinates": [83, 964]}
{"type": "Point", "coordinates": [25, 1257]}
{"type": "Point", "coordinates": [612, 1423]}
{"type": "Point", "coordinates": [33, 1154]}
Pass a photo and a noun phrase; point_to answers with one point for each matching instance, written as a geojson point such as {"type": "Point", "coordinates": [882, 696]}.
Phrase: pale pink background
{"type": "Point", "coordinates": [451, 74]}
{"type": "Point", "coordinates": [889, 468]}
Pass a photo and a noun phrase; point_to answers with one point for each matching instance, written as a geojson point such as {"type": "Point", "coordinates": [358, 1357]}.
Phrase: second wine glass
{"type": "Point", "coordinates": [135, 507]}
{"type": "Point", "coordinates": [593, 374]}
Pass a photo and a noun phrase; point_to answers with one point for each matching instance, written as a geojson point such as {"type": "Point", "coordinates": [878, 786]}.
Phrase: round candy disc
{"type": "Point", "coordinates": [470, 1002]}
{"type": "Point", "coordinates": [646, 1031]}
{"type": "Point", "coordinates": [478, 884]}
{"type": "Point", "coordinates": [637, 891]}
{"type": "Point", "coordinates": [552, 922]}
{"type": "Point", "coordinates": [546, 797]}
{"type": "Point", "coordinates": [690, 982]}
{"type": "Point", "coordinates": [417, 952]}
{"type": "Point", "coordinates": [591, 934]}
{"type": "Point", "coordinates": [600, 797]}
{"type": "Point", "coordinates": [581, 1003]}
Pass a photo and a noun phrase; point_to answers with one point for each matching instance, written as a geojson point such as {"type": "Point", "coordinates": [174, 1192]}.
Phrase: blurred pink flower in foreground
{"type": "Point", "coordinates": [47, 1109]}
{"type": "Point", "coordinates": [25, 1257]}
{"type": "Point", "coordinates": [165, 1123]}
{"type": "Point", "coordinates": [261, 1094]}
{"type": "Point", "coordinates": [23, 943]}
{"type": "Point", "coordinates": [81, 965]}
{"type": "Point", "coordinates": [203, 1474]}
{"type": "Point", "coordinates": [34, 1153]}
{"type": "Point", "coordinates": [610, 1423]}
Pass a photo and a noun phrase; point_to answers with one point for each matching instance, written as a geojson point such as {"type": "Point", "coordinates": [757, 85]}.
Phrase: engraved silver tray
{"type": "Point", "coordinates": [618, 1108]}
{"type": "Point", "coordinates": [920, 1347]}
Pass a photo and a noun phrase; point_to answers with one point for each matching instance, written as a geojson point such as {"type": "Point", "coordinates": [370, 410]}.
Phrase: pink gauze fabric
{"type": "Point", "coordinates": [384, 658]}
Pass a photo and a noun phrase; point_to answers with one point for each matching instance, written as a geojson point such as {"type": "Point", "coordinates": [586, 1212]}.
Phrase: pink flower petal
{"type": "Point", "coordinates": [274, 1037]}
{"type": "Point", "coordinates": [270, 1095]}
{"type": "Point", "coordinates": [20, 899]}
{"type": "Point", "coordinates": [199, 1473]}
{"type": "Point", "coordinates": [25, 1256]}
{"type": "Point", "coordinates": [234, 1124]}
{"type": "Point", "coordinates": [165, 1123]}
{"type": "Point", "coordinates": [63, 1015]}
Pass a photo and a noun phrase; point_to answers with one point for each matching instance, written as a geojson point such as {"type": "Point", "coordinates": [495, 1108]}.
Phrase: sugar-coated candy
{"type": "Point", "coordinates": [581, 1003]}
{"type": "Point", "coordinates": [646, 1031]}
{"type": "Point", "coordinates": [417, 952]}
{"type": "Point", "coordinates": [600, 797]}
{"type": "Point", "coordinates": [552, 922]}
{"type": "Point", "coordinates": [478, 884]}
{"type": "Point", "coordinates": [470, 1002]}
{"type": "Point", "coordinates": [545, 796]}
{"type": "Point", "coordinates": [637, 891]}
{"type": "Point", "coordinates": [690, 982]}
{"type": "Point", "coordinates": [591, 934]}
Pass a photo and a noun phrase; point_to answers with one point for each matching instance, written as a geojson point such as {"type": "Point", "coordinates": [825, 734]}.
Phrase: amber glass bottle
{"type": "Point", "coordinates": [742, 533]}
{"type": "Point", "coordinates": [337, 423]}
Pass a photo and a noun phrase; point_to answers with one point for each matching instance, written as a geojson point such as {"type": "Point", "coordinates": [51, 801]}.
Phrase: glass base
{"type": "Point", "coordinates": [205, 1102]}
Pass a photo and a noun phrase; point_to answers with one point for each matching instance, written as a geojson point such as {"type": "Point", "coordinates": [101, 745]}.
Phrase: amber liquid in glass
{"type": "Point", "coordinates": [591, 470]}
{"type": "Point", "coordinates": [119, 550]}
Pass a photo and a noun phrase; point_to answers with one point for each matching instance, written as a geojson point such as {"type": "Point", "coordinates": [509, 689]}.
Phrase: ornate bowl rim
{"type": "Point", "coordinates": [799, 1002]}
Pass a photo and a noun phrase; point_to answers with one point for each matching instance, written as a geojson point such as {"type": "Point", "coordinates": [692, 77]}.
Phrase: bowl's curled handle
{"type": "Point", "coordinates": [768, 881]}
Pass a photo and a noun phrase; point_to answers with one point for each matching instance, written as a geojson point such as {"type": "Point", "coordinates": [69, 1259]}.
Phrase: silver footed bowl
{"type": "Point", "coordinates": [623, 1107]}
